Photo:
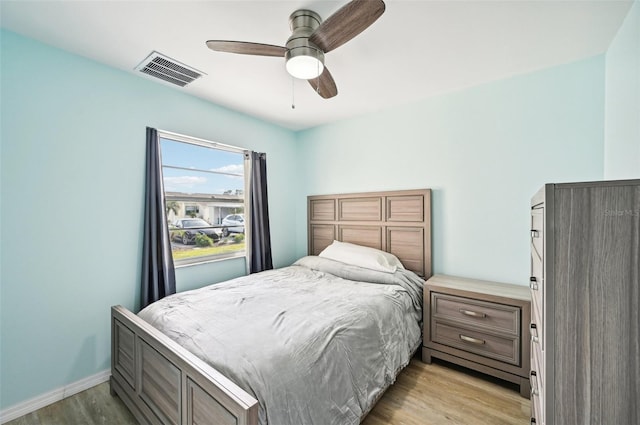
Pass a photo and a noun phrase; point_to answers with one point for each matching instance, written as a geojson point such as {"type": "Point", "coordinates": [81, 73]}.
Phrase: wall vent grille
{"type": "Point", "coordinates": [170, 70]}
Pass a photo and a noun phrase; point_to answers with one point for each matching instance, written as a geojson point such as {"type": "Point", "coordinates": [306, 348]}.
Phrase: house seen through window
{"type": "Point", "coordinates": [204, 199]}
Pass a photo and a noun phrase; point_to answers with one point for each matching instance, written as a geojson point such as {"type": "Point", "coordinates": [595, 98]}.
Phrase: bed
{"type": "Point", "coordinates": [343, 357]}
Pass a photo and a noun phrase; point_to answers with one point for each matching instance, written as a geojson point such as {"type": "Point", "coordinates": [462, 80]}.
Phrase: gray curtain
{"type": "Point", "coordinates": [158, 272]}
{"type": "Point", "coordinates": [260, 254]}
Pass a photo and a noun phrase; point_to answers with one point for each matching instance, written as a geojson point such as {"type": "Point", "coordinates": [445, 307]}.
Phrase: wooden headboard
{"type": "Point", "coordinates": [398, 222]}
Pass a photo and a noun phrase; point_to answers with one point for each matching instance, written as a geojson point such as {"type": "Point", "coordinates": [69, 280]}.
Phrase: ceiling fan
{"type": "Point", "coordinates": [311, 38]}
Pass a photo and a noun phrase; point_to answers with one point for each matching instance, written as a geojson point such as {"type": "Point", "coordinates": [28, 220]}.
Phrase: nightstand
{"type": "Point", "coordinates": [480, 325]}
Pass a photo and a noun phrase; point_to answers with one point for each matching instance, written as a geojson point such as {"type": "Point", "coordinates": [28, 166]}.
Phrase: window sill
{"type": "Point", "coordinates": [208, 260]}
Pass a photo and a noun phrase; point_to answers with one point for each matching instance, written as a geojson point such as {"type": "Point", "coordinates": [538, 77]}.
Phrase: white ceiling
{"type": "Point", "coordinates": [417, 49]}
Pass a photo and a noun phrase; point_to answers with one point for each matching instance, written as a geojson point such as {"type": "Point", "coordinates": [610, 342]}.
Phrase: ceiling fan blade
{"type": "Point", "coordinates": [246, 48]}
{"type": "Point", "coordinates": [324, 84]}
{"type": "Point", "coordinates": [346, 23]}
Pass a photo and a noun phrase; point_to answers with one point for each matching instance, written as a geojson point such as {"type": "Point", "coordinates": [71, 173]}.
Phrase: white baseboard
{"type": "Point", "coordinates": [46, 399]}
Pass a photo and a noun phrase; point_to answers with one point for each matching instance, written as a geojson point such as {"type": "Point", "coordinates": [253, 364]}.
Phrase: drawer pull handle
{"type": "Point", "coordinates": [471, 340]}
{"type": "Point", "coordinates": [533, 283]}
{"type": "Point", "coordinates": [472, 313]}
{"type": "Point", "coordinates": [534, 383]}
{"type": "Point", "coordinates": [534, 332]}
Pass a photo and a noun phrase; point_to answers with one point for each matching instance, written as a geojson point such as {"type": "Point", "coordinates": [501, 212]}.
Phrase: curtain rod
{"type": "Point", "coordinates": [202, 142]}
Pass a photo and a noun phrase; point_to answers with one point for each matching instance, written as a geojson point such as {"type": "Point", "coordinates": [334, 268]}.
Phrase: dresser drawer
{"type": "Point", "coordinates": [503, 348]}
{"type": "Point", "coordinates": [479, 314]}
{"type": "Point", "coordinates": [537, 366]}
{"type": "Point", "coordinates": [537, 313]}
{"type": "Point", "coordinates": [537, 411]}
{"type": "Point", "coordinates": [536, 282]}
{"type": "Point", "coordinates": [536, 349]}
{"type": "Point", "coordinates": [537, 231]}
{"type": "Point", "coordinates": [536, 335]}
{"type": "Point", "coordinates": [536, 380]}
{"type": "Point", "coordinates": [537, 318]}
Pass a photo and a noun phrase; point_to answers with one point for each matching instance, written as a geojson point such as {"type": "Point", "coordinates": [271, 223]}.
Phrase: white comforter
{"type": "Point", "coordinates": [314, 343]}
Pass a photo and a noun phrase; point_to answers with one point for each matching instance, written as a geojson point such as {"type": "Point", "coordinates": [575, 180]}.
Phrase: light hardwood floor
{"type": "Point", "coordinates": [435, 394]}
{"type": "Point", "coordinates": [94, 406]}
{"type": "Point", "coordinates": [444, 394]}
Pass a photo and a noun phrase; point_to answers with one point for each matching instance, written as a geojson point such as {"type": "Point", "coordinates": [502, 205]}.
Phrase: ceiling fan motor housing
{"type": "Point", "coordinates": [303, 23]}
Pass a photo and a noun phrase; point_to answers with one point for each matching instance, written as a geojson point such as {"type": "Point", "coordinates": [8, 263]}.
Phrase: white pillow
{"type": "Point", "coordinates": [362, 256]}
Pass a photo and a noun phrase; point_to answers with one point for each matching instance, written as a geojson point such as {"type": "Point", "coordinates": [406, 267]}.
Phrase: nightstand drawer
{"type": "Point", "coordinates": [503, 348]}
{"type": "Point", "coordinates": [480, 314]}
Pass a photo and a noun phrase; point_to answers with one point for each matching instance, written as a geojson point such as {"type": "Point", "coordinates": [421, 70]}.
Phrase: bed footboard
{"type": "Point", "coordinates": [162, 383]}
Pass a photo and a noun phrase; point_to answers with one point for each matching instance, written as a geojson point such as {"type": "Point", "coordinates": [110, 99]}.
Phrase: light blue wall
{"type": "Point", "coordinates": [484, 152]}
{"type": "Point", "coordinates": [622, 101]}
{"type": "Point", "coordinates": [72, 186]}
{"type": "Point", "coordinates": [72, 144]}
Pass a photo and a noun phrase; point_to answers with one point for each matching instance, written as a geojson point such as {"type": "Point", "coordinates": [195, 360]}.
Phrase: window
{"type": "Point", "coordinates": [204, 198]}
{"type": "Point", "coordinates": [191, 210]}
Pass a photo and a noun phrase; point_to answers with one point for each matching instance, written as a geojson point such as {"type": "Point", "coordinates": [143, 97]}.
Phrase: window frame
{"type": "Point", "coordinates": [180, 138]}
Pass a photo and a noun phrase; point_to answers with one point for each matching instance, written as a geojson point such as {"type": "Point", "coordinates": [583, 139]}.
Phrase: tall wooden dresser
{"type": "Point", "coordinates": [585, 322]}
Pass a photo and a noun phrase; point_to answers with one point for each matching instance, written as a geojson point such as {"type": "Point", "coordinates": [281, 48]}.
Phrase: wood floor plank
{"type": "Point", "coordinates": [443, 394]}
{"type": "Point", "coordinates": [424, 394]}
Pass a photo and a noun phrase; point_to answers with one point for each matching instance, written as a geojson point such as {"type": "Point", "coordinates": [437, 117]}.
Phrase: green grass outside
{"type": "Point", "coordinates": [181, 254]}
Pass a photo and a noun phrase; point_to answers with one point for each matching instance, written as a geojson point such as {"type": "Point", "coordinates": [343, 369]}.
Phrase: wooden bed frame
{"type": "Point", "coordinates": [163, 383]}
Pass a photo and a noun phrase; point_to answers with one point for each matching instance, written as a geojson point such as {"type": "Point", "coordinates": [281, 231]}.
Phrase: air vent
{"type": "Point", "coordinates": [160, 66]}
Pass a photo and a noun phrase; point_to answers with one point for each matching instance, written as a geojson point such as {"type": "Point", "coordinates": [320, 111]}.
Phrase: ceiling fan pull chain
{"type": "Point", "coordinates": [318, 77]}
{"type": "Point", "coordinates": [293, 94]}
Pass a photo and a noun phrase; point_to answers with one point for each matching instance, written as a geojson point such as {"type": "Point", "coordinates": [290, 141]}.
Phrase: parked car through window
{"type": "Point", "coordinates": [233, 223]}
{"type": "Point", "coordinates": [186, 230]}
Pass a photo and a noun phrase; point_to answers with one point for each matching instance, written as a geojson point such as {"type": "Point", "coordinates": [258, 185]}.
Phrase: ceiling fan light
{"type": "Point", "coordinates": [304, 67]}
{"type": "Point", "coordinates": [304, 62]}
